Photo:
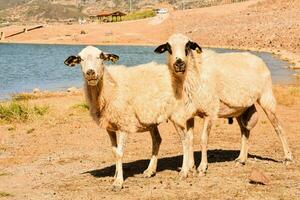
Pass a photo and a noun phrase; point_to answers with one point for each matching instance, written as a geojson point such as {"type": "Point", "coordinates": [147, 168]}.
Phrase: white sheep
{"type": "Point", "coordinates": [127, 100]}
{"type": "Point", "coordinates": [221, 85]}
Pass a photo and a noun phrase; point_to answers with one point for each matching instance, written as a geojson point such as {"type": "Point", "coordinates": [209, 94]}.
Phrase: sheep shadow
{"type": "Point", "coordinates": [171, 163]}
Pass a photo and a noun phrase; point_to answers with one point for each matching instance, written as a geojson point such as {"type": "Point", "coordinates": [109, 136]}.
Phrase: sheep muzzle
{"type": "Point", "coordinates": [179, 66]}
{"type": "Point", "coordinates": [91, 77]}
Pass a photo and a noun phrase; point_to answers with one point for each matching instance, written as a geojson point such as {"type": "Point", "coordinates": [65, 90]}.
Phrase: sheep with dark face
{"type": "Point", "coordinates": [125, 100]}
{"type": "Point", "coordinates": [221, 85]}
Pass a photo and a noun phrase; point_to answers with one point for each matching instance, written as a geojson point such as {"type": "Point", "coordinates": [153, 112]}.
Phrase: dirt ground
{"type": "Point", "coordinates": [265, 25]}
{"type": "Point", "coordinates": [64, 155]}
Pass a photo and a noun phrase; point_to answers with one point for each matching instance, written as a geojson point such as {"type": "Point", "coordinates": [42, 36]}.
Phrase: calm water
{"type": "Point", "coordinates": [24, 67]}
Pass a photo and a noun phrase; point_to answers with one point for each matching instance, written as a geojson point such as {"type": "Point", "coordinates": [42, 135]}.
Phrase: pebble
{"type": "Point", "coordinates": [36, 90]}
{"type": "Point", "coordinates": [72, 89]}
{"type": "Point", "coordinates": [258, 177]}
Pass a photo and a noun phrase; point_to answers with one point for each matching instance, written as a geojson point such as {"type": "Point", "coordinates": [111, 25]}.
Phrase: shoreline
{"type": "Point", "coordinates": [78, 91]}
{"type": "Point", "coordinates": [282, 54]}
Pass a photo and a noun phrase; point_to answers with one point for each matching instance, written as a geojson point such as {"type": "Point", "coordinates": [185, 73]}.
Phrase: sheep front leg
{"type": "Point", "coordinates": [113, 140]}
{"type": "Point", "coordinates": [118, 152]}
{"type": "Point", "coordinates": [204, 139]}
{"type": "Point", "coordinates": [185, 144]}
{"type": "Point", "coordinates": [156, 141]}
{"type": "Point", "coordinates": [190, 135]}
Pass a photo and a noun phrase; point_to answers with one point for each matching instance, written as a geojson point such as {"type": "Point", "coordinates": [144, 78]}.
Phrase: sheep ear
{"type": "Point", "coordinates": [194, 46]}
{"type": "Point", "coordinates": [71, 61]}
{"type": "Point", "coordinates": [109, 57]}
{"type": "Point", "coordinates": [163, 48]}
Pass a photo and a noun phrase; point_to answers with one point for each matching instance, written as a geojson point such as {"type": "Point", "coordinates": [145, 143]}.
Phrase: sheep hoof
{"type": "Point", "coordinates": [193, 170]}
{"type": "Point", "coordinates": [201, 173]}
{"type": "Point", "coordinates": [240, 162]}
{"type": "Point", "coordinates": [202, 169]}
{"type": "Point", "coordinates": [117, 186]}
{"type": "Point", "coordinates": [148, 173]}
{"type": "Point", "coordinates": [183, 174]}
{"type": "Point", "coordinates": [287, 161]}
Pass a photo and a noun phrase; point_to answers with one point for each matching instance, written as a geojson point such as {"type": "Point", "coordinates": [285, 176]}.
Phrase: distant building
{"type": "Point", "coordinates": [106, 16]}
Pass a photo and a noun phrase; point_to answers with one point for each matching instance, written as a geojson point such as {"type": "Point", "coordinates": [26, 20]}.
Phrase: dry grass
{"type": "Point", "coordinates": [5, 194]}
{"type": "Point", "coordinates": [24, 97]}
{"type": "Point", "coordinates": [15, 111]}
{"type": "Point", "coordinates": [287, 96]}
{"type": "Point", "coordinates": [45, 94]}
{"type": "Point", "coordinates": [5, 174]}
{"type": "Point", "coordinates": [80, 106]}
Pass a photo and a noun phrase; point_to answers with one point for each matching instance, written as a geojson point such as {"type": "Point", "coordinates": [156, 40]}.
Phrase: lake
{"type": "Point", "coordinates": [24, 67]}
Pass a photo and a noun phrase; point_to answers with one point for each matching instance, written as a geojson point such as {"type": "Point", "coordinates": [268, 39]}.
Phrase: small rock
{"type": "Point", "coordinates": [82, 32]}
{"type": "Point", "coordinates": [36, 90]}
{"type": "Point", "coordinates": [296, 66]}
{"type": "Point", "coordinates": [258, 177]}
{"type": "Point", "coordinates": [72, 89]}
{"type": "Point", "coordinates": [297, 76]}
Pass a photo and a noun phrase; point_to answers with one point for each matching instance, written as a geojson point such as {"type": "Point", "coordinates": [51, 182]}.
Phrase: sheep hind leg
{"type": "Point", "coordinates": [246, 121]}
{"type": "Point", "coordinates": [204, 140]}
{"type": "Point", "coordinates": [281, 134]}
{"type": "Point", "coordinates": [118, 150]}
{"type": "Point", "coordinates": [156, 141]}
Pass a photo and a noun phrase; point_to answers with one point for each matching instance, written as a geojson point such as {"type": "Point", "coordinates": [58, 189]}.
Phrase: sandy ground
{"type": "Point", "coordinates": [265, 25]}
{"type": "Point", "coordinates": [64, 155]}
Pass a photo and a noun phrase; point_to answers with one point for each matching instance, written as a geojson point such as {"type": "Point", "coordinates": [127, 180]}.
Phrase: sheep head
{"type": "Point", "coordinates": [179, 47]}
{"type": "Point", "coordinates": [92, 63]}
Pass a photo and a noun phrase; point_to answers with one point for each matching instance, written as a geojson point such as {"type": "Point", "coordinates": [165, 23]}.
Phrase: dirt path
{"type": "Point", "coordinates": [64, 155]}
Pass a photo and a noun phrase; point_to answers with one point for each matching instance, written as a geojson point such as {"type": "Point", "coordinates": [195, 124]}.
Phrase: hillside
{"type": "Point", "coordinates": [54, 10]}
{"type": "Point", "coordinates": [37, 10]}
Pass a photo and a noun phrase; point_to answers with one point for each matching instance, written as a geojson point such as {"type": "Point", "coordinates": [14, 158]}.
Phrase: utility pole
{"type": "Point", "coordinates": [130, 6]}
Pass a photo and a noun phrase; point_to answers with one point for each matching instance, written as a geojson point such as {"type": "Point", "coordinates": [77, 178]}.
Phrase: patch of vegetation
{"type": "Point", "coordinates": [139, 15]}
{"type": "Point", "coordinates": [294, 91]}
{"type": "Point", "coordinates": [12, 128]}
{"type": "Point", "coordinates": [23, 97]}
{"type": "Point", "coordinates": [287, 96]}
{"type": "Point", "coordinates": [5, 194]}
{"type": "Point", "coordinates": [30, 130]}
{"type": "Point", "coordinates": [15, 111]}
{"type": "Point", "coordinates": [5, 174]}
{"type": "Point", "coordinates": [81, 106]}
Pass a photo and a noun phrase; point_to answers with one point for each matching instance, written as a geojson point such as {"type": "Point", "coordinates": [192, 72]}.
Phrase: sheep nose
{"type": "Point", "coordinates": [179, 65]}
{"type": "Point", "coordinates": [90, 72]}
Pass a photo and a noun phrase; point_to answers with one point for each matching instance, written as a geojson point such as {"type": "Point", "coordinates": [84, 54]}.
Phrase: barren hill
{"type": "Point", "coordinates": [41, 10]}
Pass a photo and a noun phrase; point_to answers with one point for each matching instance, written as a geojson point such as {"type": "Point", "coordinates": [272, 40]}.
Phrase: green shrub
{"type": "Point", "coordinates": [139, 15]}
{"type": "Point", "coordinates": [81, 106]}
{"type": "Point", "coordinates": [15, 111]}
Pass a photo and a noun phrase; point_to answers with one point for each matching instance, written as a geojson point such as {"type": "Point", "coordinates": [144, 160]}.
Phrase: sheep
{"type": "Point", "coordinates": [126, 100]}
{"type": "Point", "coordinates": [221, 86]}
